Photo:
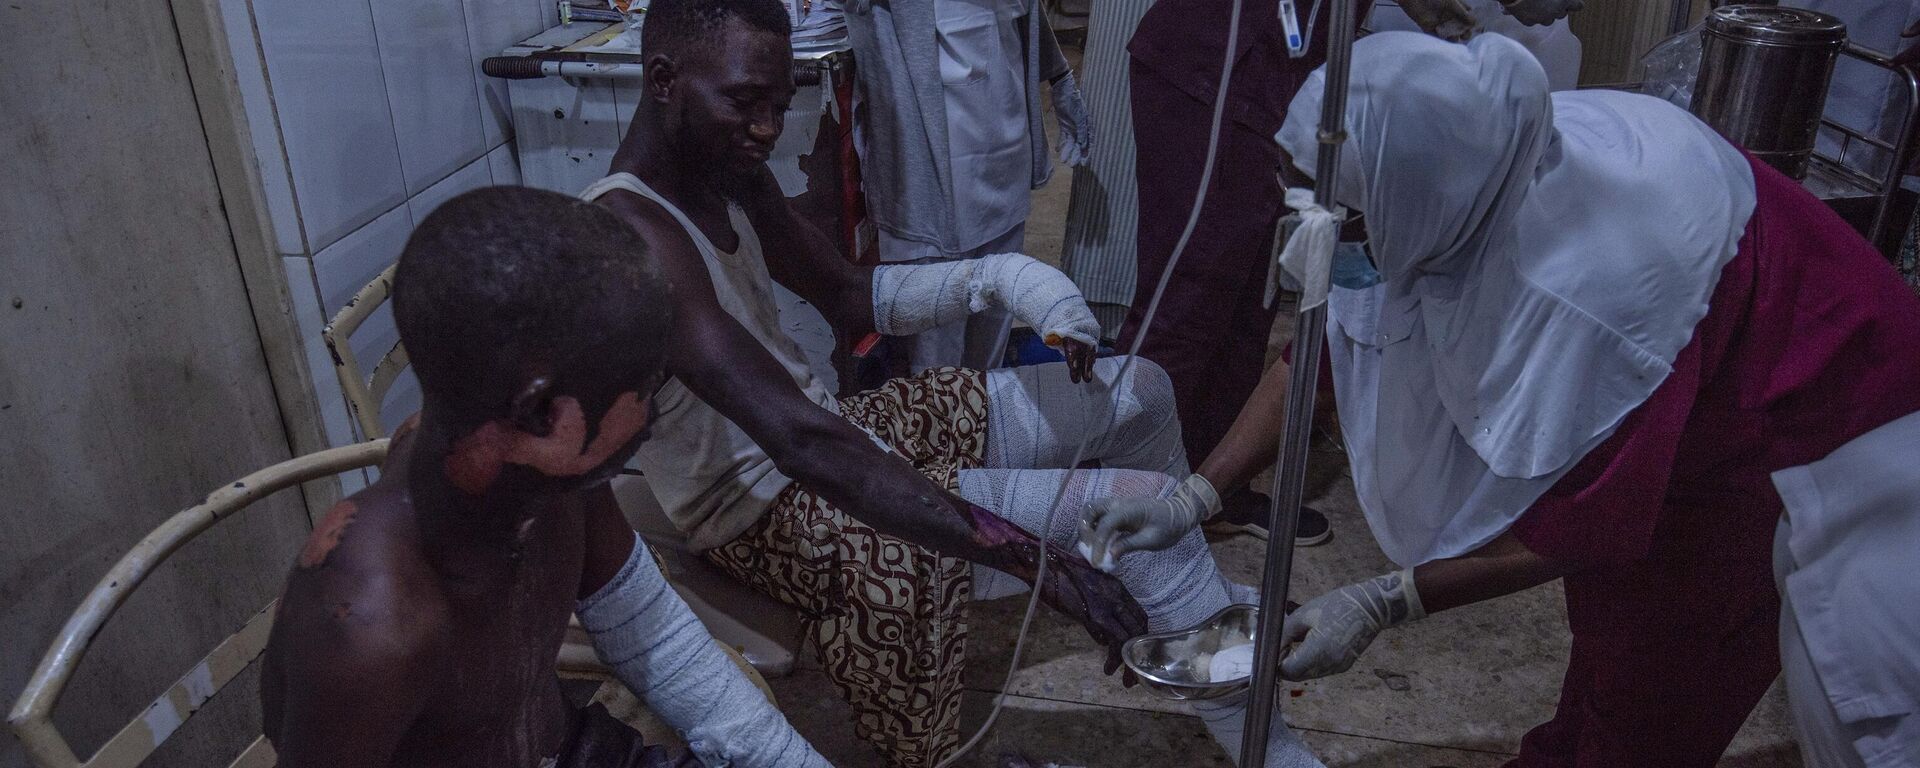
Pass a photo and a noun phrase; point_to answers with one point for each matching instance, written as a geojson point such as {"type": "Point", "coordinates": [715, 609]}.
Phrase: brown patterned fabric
{"type": "Point", "coordinates": [886, 616]}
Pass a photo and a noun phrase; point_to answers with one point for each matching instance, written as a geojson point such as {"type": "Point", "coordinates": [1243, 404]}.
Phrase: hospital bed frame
{"type": "Point", "coordinates": [1864, 199]}
{"type": "Point", "coordinates": [1828, 176]}
{"type": "Point", "coordinates": [32, 715]}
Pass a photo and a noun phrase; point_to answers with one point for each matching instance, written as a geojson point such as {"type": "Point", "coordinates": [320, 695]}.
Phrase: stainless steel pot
{"type": "Point", "coordinates": [1763, 79]}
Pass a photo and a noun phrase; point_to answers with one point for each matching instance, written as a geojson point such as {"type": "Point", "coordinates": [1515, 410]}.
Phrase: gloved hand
{"type": "Point", "coordinates": [1445, 19]}
{"type": "Point", "coordinates": [1076, 127]}
{"type": "Point", "coordinates": [1112, 527]}
{"type": "Point", "coordinates": [1331, 630]}
{"type": "Point", "coordinates": [1540, 13]}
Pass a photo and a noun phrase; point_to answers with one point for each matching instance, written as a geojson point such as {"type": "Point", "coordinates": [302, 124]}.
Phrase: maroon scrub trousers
{"type": "Point", "coordinates": [1810, 340]}
{"type": "Point", "coordinates": [1210, 332]}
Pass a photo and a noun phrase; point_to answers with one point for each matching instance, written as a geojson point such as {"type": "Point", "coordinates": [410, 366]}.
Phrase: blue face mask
{"type": "Point", "coordinates": [1351, 267]}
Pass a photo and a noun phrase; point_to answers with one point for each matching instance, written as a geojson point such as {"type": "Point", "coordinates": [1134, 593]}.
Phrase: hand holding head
{"type": "Point", "coordinates": [535, 323]}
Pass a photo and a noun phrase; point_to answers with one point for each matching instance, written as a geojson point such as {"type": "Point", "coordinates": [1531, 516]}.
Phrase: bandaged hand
{"type": "Point", "coordinates": [1331, 630]}
{"type": "Point", "coordinates": [1445, 19]}
{"type": "Point", "coordinates": [1076, 127]}
{"type": "Point", "coordinates": [1541, 12]}
{"type": "Point", "coordinates": [910, 298]}
{"type": "Point", "coordinates": [1114, 526]}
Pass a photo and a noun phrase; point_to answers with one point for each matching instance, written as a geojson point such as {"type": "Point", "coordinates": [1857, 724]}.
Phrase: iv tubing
{"type": "Point", "coordinates": [1146, 322]}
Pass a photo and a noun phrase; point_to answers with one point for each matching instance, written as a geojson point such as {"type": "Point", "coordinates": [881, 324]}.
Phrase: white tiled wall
{"type": "Point", "coordinates": [365, 116]}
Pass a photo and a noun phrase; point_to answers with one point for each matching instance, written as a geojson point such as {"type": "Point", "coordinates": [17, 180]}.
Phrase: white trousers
{"type": "Point", "coordinates": [1037, 419]}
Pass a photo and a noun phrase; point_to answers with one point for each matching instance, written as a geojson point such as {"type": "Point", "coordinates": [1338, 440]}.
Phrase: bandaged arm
{"type": "Point", "coordinates": [910, 298]}
{"type": "Point", "coordinates": [661, 651]}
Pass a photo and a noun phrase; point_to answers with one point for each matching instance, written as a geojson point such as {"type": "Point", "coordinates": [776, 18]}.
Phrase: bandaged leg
{"type": "Point", "coordinates": [1037, 418]}
{"type": "Point", "coordinates": [1178, 587]}
{"type": "Point", "coordinates": [1226, 720]}
{"type": "Point", "coordinates": [660, 650]}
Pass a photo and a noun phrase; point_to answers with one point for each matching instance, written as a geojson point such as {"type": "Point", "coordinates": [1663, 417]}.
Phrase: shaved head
{"type": "Point", "coordinates": [505, 284]}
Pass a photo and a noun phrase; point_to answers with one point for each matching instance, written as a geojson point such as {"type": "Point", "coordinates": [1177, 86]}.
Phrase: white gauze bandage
{"type": "Point", "coordinates": [910, 298]}
{"type": "Point", "coordinates": [661, 651]}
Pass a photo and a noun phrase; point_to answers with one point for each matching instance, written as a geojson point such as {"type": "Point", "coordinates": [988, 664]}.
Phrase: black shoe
{"type": "Point", "coordinates": [1246, 512]}
{"type": "Point", "coordinates": [1313, 529]}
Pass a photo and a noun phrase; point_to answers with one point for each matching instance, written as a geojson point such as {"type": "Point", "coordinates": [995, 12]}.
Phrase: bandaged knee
{"type": "Point", "coordinates": [1226, 719]}
{"type": "Point", "coordinates": [660, 650]}
{"type": "Point", "coordinates": [910, 298]}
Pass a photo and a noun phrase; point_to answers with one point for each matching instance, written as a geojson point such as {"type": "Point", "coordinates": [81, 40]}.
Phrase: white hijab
{"type": "Point", "coordinates": [1545, 258]}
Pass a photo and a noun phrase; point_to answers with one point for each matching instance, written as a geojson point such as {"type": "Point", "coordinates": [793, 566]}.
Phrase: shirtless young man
{"type": "Point", "coordinates": [864, 513]}
{"type": "Point", "coordinates": [420, 625]}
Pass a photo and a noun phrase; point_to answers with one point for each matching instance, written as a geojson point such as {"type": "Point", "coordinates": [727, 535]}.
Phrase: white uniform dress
{"type": "Point", "coordinates": [983, 81]}
{"type": "Point", "coordinates": [1847, 559]}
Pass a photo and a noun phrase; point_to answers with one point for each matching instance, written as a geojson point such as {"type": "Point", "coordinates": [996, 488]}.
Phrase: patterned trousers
{"type": "Point", "coordinates": [886, 617]}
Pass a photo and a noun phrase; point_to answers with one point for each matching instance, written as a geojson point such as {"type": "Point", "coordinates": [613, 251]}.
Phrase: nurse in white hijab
{"type": "Point", "coordinates": [1595, 327]}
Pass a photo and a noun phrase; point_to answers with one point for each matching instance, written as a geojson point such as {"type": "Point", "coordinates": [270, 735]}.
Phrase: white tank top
{"type": "Point", "coordinates": [711, 479]}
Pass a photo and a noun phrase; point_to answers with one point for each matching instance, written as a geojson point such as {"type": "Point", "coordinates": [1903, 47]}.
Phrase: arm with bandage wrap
{"type": "Point", "coordinates": [660, 650]}
{"type": "Point", "coordinates": [910, 298]}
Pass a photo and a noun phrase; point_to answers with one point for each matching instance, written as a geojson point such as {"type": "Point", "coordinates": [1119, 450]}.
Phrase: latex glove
{"type": "Point", "coordinates": [1445, 19]}
{"type": "Point", "coordinates": [1540, 13]}
{"type": "Point", "coordinates": [1331, 630]}
{"type": "Point", "coordinates": [1114, 526]}
{"type": "Point", "coordinates": [1076, 127]}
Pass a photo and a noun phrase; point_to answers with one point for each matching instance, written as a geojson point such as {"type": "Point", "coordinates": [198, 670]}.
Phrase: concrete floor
{"type": "Point", "coordinates": [1458, 689]}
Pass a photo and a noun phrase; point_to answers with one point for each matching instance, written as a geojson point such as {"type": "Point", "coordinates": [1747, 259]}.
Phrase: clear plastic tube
{"type": "Point", "coordinates": [1146, 324]}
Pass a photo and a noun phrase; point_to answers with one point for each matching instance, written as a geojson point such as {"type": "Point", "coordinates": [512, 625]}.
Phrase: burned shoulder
{"type": "Point", "coordinates": [360, 529]}
{"type": "Point", "coordinates": [362, 580]}
{"type": "Point", "coordinates": [336, 674]}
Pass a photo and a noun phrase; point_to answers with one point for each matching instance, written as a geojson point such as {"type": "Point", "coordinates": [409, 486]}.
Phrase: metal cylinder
{"type": "Point", "coordinates": [1763, 79]}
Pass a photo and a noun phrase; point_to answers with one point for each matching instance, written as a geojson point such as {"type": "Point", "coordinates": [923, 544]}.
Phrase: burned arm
{"type": "Point", "coordinates": [729, 370]}
{"type": "Point", "coordinates": [351, 662]}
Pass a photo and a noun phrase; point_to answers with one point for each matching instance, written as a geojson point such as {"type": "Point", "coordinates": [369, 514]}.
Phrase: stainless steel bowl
{"type": "Point", "coordinates": [1176, 665]}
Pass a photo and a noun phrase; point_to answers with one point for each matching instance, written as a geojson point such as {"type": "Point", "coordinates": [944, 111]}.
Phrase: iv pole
{"type": "Point", "coordinates": [1290, 472]}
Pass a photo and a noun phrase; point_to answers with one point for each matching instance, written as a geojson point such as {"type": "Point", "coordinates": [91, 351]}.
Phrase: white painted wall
{"type": "Point", "coordinates": [365, 116]}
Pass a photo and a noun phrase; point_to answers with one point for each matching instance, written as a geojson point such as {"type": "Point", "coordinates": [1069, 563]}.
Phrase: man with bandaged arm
{"type": "Point", "coordinates": [877, 516]}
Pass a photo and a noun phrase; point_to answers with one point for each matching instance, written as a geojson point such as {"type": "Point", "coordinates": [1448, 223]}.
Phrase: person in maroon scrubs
{"type": "Point", "coordinates": [1597, 329]}
{"type": "Point", "coordinates": [1210, 333]}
